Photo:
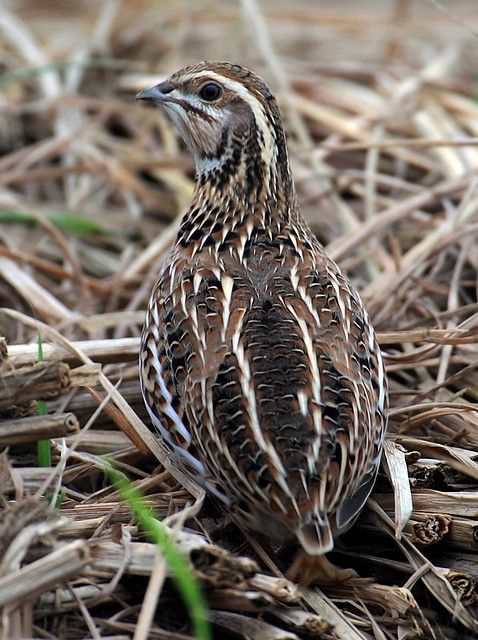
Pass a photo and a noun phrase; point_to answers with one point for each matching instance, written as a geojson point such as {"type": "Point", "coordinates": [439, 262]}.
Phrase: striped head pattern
{"type": "Point", "coordinates": [230, 122]}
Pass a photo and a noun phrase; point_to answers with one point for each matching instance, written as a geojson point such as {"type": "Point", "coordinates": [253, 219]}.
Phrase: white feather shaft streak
{"type": "Point", "coordinates": [227, 285]}
{"type": "Point", "coordinates": [381, 381]}
{"type": "Point", "coordinates": [314, 366]}
{"type": "Point", "coordinates": [339, 294]}
{"type": "Point", "coordinates": [267, 449]}
{"type": "Point", "coordinates": [301, 290]}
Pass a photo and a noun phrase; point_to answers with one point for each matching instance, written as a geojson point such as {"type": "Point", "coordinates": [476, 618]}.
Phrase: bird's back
{"type": "Point", "coordinates": [275, 377]}
{"type": "Point", "coordinates": [259, 363]}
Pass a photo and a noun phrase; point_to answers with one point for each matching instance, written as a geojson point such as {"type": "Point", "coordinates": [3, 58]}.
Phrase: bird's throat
{"type": "Point", "coordinates": [247, 183]}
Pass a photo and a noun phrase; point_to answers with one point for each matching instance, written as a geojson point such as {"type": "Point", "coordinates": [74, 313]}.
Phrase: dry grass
{"type": "Point", "coordinates": [381, 109]}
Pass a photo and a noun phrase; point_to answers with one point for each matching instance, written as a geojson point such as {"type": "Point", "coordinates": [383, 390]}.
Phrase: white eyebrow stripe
{"type": "Point", "coordinates": [254, 103]}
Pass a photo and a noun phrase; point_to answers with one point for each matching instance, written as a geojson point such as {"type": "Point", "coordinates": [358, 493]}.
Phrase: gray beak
{"type": "Point", "coordinates": [157, 93]}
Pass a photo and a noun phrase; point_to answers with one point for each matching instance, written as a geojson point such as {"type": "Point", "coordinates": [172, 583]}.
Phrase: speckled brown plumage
{"type": "Point", "coordinates": [259, 363]}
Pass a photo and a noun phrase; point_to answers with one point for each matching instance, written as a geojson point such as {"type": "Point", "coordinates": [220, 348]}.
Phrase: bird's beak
{"type": "Point", "coordinates": [158, 93]}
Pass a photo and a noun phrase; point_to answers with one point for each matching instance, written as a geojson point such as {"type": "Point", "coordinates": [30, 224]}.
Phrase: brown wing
{"type": "Point", "coordinates": [296, 408]}
{"type": "Point", "coordinates": [172, 362]}
{"type": "Point", "coordinates": [273, 374]}
{"type": "Point", "coordinates": [159, 357]}
{"type": "Point", "coordinates": [351, 389]}
{"type": "Point", "coordinates": [182, 348]}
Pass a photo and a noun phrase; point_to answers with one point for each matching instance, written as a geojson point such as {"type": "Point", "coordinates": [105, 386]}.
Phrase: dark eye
{"type": "Point", "coordinates": [210, 92]}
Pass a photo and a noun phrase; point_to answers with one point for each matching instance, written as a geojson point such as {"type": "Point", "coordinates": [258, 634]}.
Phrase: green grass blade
{"type": "Point", "coordinates": [43, 446]}
{"type": "Point", "coordinates": [185, 581]}
{"type": "Point", "coordinates": [77, 225]}
{"type": "Point", "coordinates": [44, 453]}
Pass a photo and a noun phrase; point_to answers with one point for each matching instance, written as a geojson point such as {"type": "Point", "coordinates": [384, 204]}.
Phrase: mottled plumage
{"type": "Point", "coordinates": [258, 362]}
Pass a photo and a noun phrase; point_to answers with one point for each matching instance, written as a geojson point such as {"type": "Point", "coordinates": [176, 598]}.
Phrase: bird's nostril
{"type": "Point", "coordinates": [165, 87]}
{"type": "Point", "coordinates": [157, 93]}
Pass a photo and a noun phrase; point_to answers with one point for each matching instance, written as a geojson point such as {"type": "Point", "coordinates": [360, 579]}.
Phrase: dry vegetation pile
{"type": "Point", "coordinates": [380, 103]}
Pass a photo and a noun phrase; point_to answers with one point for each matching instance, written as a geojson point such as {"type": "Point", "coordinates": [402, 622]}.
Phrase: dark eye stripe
{"type": "Point", "coordinates": [192, 109]}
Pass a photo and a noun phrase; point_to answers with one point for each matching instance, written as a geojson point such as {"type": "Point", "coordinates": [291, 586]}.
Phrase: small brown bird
{"type": "Point", "coordinates": [259, 364]}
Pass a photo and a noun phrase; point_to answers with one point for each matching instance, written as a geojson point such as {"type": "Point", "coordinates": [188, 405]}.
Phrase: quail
{"type": "Point", "coordinates": [259, 364]}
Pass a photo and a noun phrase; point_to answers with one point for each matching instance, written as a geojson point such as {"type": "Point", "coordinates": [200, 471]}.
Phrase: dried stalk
{"type": "Point", "coordinates": [37, 428]}
{"type": "Point", "coordinates": [45, 381]}
{"type": "Point", "coordinates": [463, 534]}
{"type": "Point", "coordinates": [38, 576]}
{"type": "Point", "coordinates": [3, 349]}
{"type": "Point", "coordinates": [102, 351]}
{"type": "Point", "coordinates": [428, 528]}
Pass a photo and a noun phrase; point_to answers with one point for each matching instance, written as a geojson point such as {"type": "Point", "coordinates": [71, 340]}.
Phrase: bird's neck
{"type": "Point", "coordinates": [250, 184]}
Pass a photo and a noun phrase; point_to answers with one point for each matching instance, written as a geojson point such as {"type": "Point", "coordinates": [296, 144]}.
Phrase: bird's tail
{"type": "Point", "coordinates": [315, 537]}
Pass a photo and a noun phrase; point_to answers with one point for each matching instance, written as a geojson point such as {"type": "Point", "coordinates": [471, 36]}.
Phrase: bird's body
{"type": "Point", "coordinates": [259, 363]}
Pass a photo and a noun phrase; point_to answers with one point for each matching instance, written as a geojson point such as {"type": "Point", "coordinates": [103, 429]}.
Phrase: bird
{"type": "Point", "coordinates": [258, 362]}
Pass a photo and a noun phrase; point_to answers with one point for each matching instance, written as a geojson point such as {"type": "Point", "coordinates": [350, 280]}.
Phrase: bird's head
{"type": "Point", "coordinates": [227, 117]}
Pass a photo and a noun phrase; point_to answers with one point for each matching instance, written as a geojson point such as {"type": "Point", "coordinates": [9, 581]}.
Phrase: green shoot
{"type": "Point", "coordinates": [185, 581]}
{"type": "Point", "coordinates": [77, 225]}
{"type": "Point", "coordinates": [59, 500]}
{"type": "Point", "coordinates": [43, 446]}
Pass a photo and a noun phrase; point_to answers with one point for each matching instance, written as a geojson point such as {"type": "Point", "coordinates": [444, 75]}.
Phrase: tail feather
{"type": "Point", "coordinates": [316, 537]}
{"type": "Point", "coordinates": [353, 505]}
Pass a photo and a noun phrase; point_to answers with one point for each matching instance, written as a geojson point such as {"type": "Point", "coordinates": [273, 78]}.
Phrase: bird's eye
{"type": "Point", "coordinates": [210, 92]}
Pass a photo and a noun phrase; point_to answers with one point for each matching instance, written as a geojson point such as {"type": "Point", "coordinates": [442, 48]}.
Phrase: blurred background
{"type": "Point", "coordinates": [380, 104]}
{"type": "Point", "coordinates": [90, 179]}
